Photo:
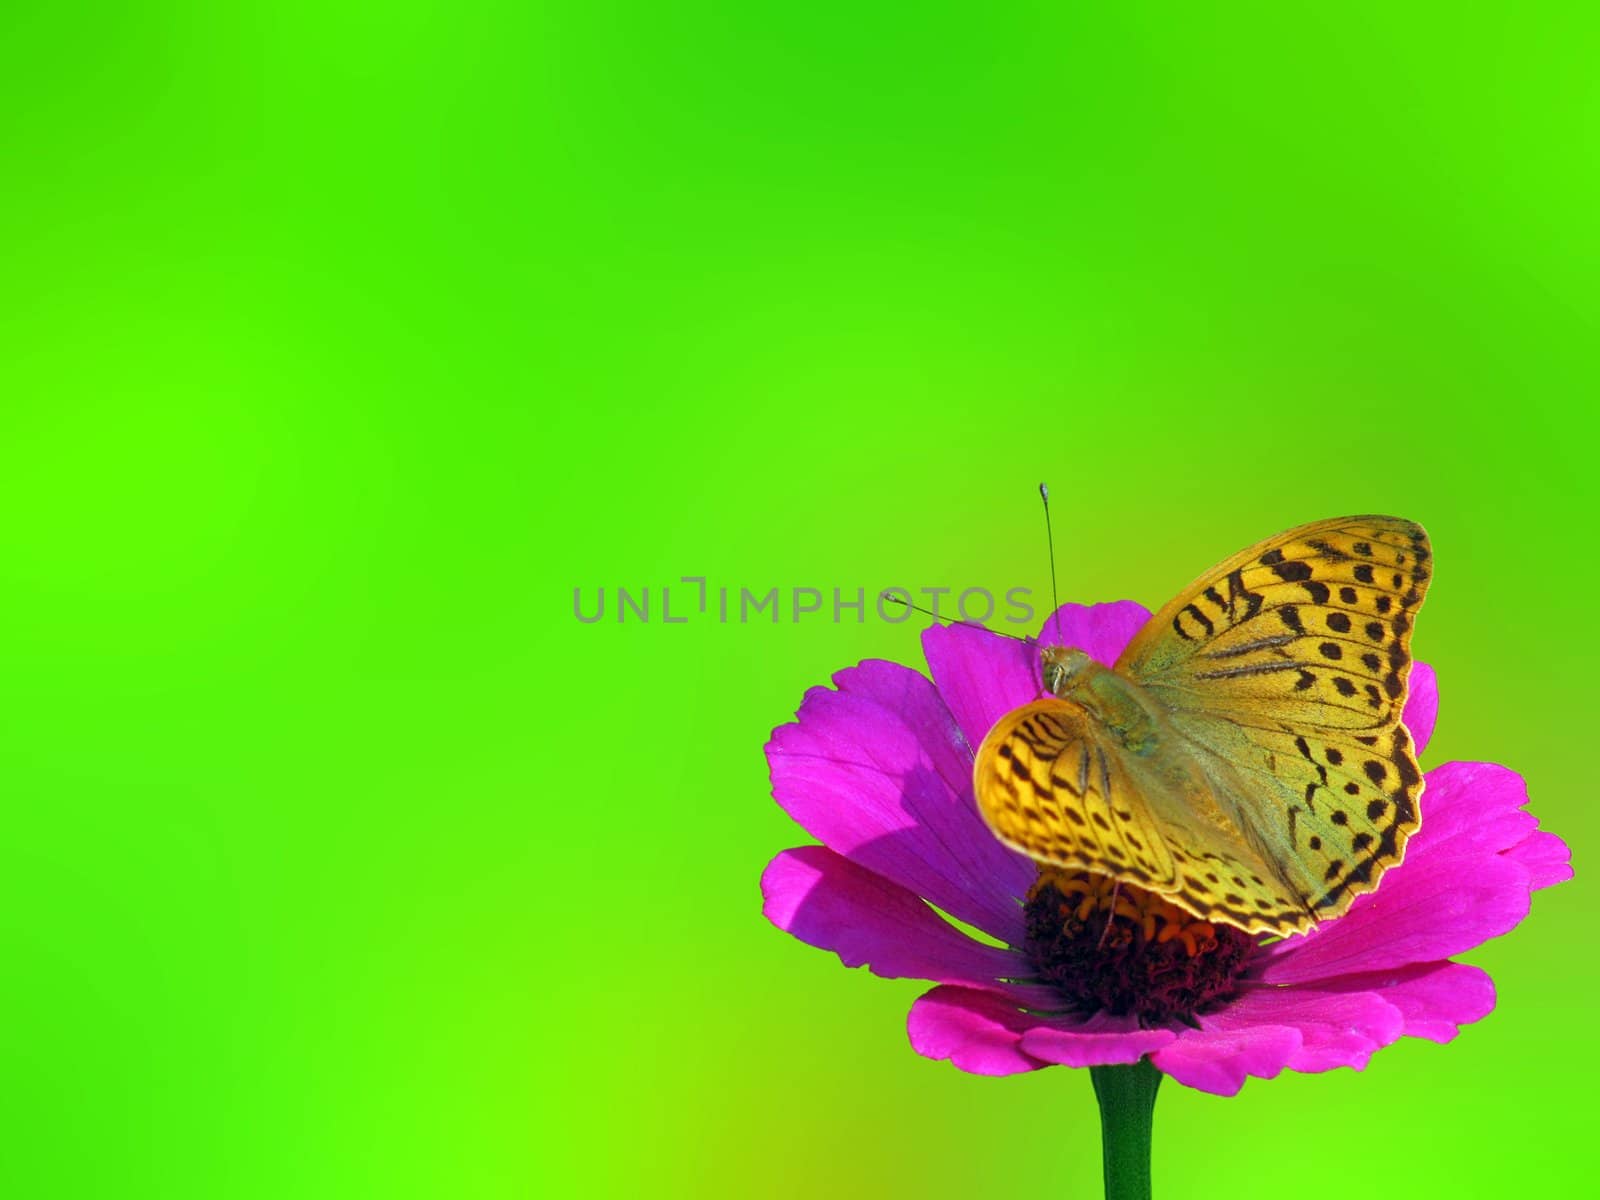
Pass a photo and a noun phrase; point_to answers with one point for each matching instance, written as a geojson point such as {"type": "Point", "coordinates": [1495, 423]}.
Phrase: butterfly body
{"type": "Point", "coordinates": [1117, 703]}
{"type": "Point", "coordinates": [1245, 756]}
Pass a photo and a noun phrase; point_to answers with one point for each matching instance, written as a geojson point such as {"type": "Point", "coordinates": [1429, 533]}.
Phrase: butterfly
{"type": "Point", "coordinates": [1245, 757]}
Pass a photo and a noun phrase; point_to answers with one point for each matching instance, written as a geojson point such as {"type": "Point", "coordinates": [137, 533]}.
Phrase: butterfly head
{"type": "Point", "coordinates": [1062, 666]}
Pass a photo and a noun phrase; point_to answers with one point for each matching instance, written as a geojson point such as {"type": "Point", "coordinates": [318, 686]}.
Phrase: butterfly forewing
{"type": "Point", "coordinates": [1051, 786]}
{"type": "Point", "coordinates": [1053, 783]}
{"type": "Point", "coordinates": [1286, 667]}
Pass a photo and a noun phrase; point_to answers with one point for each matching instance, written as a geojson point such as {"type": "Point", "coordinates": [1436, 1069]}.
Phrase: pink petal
{"type": "Point", "coordinates": [1470, 806]}
{"type": "Point", "coordinates": [1218, 1060]}
{"type": "Point", "coordinates": [982, 1033]}
{"type": "Point", "coordinates": [1422, 705]}
{"type": "Point", "coordinates": [982, 866]}
{"type": "Point", "coordinates": [1100, 1041]}
{"type": "Point", "coordinates": [1547, 858]}
{"type": "Point", "coordinates": [981, 676]}
{"type": "Point", "coordinates": [1434, 999]}
{"type": "Point", "coordinates": [1419, 914]}
{"type": "Point", "coordinates": [1479, 806]}
{"type": "Point", "coordinates": [829, 902]}
{"type": "Point", "coordinates": [877, 771]}
{"type": "Point", "coordinates": [1337, 1028]}
{"type": "Point", "coordinates": [1457, 887]}
{"type": "Point", "coordinates": [979, 1036]}
{"type": "Point", "coordinates": [1101, 631]}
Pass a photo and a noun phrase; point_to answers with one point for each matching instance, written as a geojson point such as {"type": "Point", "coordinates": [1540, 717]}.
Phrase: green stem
{"type": "Point", "coordinates": [1127, 1098]}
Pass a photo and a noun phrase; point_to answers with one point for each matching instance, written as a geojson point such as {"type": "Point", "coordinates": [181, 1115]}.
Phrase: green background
{"type": "Point", "coordinates": [341, 343]}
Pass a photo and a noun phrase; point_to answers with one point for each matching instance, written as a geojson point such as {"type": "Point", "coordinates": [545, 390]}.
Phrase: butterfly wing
{"type": "Point", "coordinates": [1053, 783]}
{"type": "Point", "coordinates": [1285, 668]}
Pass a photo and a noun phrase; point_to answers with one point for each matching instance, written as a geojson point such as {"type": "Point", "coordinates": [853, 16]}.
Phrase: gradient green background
{"type": "Point", "coordinates": [341, 344]}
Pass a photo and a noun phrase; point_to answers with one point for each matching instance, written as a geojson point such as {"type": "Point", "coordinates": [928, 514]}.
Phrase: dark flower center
{"type": "Point", "coordinates": [1114, 948]}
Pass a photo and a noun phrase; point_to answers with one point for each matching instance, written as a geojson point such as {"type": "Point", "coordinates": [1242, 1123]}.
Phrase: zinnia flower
{"type": "Point", "coordinates": [1074, 971]}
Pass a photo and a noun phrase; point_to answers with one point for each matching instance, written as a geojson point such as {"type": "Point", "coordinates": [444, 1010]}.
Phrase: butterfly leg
{"type": "Point", "coordinates": [1111, 911]}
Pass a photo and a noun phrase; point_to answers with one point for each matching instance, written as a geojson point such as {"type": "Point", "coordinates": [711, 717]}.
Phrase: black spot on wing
{"type": "Point", "coordinates": [1200, 623]}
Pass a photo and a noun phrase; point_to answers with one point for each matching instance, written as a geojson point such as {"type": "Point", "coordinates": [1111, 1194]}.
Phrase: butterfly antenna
{"type": "Point", "coordinates": [904, 603]}
{"type": "Point", "coordinates": [1050, 541]}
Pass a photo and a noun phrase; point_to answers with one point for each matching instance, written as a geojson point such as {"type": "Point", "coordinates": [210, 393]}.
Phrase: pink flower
{"type": "Point", "coordinates": [879, 769]}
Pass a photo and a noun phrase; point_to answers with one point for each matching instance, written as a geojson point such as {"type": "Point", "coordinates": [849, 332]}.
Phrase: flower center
{"type": "Point", "coordinates": [1111, 947]}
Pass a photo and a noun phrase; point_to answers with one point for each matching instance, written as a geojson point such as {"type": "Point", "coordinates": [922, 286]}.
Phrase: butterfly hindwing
{"type": "Point", "coordinates": [1285, 668]}
{"type": "Point", "coordinates": [1332, 809]}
